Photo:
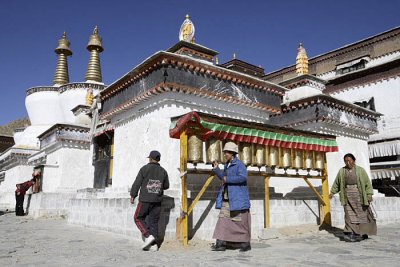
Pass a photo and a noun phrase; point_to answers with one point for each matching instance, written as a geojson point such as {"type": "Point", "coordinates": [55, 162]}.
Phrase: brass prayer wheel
{"type": "Point", "coordinates": [195, 149]}
{"type": "Point", "coordinates": [273, 156]}
{"type": "Point", "coordinates": [214, 151]}
{"type": "Point", "coordinates": [318, 160]}
{"type": "Point", "coordinates": [245, 153]}
{"type": "Point", "coordinates": [308, 160]}
{"type": "Point", "coordinates": [258, 158]}
{"type": "Point", "coordinates": [285, 158]}
{"type": "Point", "coordinates": [266, 155]}
{"type": "Point", "coordinates": [297, 159]}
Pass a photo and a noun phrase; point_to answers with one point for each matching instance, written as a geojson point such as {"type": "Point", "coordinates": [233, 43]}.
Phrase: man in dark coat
{"type": "Point", "coordinates": [151, 180]}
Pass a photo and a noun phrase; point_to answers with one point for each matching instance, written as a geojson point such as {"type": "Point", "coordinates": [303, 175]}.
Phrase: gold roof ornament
{"type": "Point", "coordinates": [186, 33]}
{"type": "Point", "coordinates": [63, 50]}
{"type": "Point", "coordinates": [89, 97]}
{"type": "Point", "coordinates": [95, 46]}
{"type": "Point", "coordinates": [234, 55]}
{"type": "Point", "coordinates": [301, 61]}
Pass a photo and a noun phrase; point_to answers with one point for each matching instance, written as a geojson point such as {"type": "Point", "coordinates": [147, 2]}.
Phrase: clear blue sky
{"type": "Point", "coordinates": [263, 33]}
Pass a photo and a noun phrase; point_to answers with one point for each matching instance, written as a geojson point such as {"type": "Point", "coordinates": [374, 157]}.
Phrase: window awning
{"type": "Point", "coordinates": [351, 63]}
{"type": "Point", "coordinates": [384, 149]}
{"type": "Point", "coordinates": [385, 173]}
{"type": "Point", "coordinates": [206, 126]}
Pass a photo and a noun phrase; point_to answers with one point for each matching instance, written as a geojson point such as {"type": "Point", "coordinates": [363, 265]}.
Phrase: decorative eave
{"type": "Point", "coordinates": [362, 77]}
{"type": "Point", "coordinates": [323, 113]}
{"type": "Point", "coordinates": [173, 87]}
{"type": "Point", "coordinates": [196, 50]}
{"type": "Point", "coordinates": [339, 51]}
{"type": "Point", "coordinates": [64, 133]}
{"type": "Point", "coordinates": [84, 85]}
{"type": "Point", "coordinates": [163, 58]}
{"type": "Point", "coordinates": [80, 109]}
{"type": "Point", "coordinates": [248, 68]}
{"type": "Point", "coordinates": [304, 80]}
{"type": "Point", "coordinates": [331, 101]}
{"type": "Point", "coordinates": [15, 156]}
{"type": "Point", "coordinates": [37, 89]}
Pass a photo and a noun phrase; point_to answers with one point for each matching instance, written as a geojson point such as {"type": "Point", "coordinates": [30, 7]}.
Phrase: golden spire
{"type": "Point", "coordinates": [63, 50]}
{"type": "Point", "coordinates": [301, 61]}
{"type": "Point", "coordinates": [95, 47]}
{"type": "Point", "coordinates": [186, 33]}
{"type": "Point", "coordinates": [234, 55]}
{"type": "Point", "coordinates": [216, 61]}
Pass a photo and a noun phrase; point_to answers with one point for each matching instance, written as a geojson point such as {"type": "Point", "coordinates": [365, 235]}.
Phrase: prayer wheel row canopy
{"type": "Point", "coordinates": [206, 127]}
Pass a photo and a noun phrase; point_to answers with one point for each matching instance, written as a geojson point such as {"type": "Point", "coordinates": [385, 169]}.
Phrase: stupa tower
{"type": "Point", "coordinates": [63, 50]}
{"type": "Point", "coordinates": [95, 46]}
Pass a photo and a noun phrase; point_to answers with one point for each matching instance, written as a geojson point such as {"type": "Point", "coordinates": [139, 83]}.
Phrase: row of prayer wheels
{"type": "Point", "coordinates": [256, 155]}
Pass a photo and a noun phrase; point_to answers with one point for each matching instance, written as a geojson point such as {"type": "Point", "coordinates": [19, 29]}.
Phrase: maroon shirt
{"type": "Point", "coordinates": [22, 188]}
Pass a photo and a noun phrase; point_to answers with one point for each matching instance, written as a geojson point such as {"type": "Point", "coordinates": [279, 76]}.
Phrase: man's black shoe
{"type": "Point", "coordinates": [245, 247]}
{"type": "Point", "coordinates": [364, 237]}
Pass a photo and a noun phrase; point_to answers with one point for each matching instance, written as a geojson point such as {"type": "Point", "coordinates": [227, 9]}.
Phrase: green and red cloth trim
{"type": "Point", "coordinates": [194, 124]}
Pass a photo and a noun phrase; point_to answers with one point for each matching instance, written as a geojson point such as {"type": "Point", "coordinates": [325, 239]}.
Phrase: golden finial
{"type": "Point", "coordinates": [216, 61]}
{"type": "Point", "coordinates": [234, 55]}
{"type": "Point", "coordinates": [95, 46]}
{"type": "Point", "coordinates": [301, 61]}
{"type": "Point", "coordinates": [89, 97]}
{"type": "Point", "coordinates": [63, 50]}
{"type": "Point", "coordinates": [186, 33]}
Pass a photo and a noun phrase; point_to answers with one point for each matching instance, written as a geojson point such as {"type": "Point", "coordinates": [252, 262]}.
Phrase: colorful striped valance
{"type": "Point", "coordinates": [206, 127]}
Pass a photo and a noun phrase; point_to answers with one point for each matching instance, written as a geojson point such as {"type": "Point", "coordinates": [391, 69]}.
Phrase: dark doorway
{"type": "Point", "coordinates": [103, 159]}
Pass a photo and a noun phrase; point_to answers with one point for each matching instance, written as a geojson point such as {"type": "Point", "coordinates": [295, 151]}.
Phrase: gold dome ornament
{"type": "Point", "coordinates": [186, 32]}
{"type": "Point", "coordinates": [301, 61]}
{"type": "Point", "coordinates": [63, 50]}
{"type": "Point", "coordinates": [95, 47]}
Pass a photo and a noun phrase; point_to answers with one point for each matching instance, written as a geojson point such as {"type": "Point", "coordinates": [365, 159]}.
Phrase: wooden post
{"type": "Point", "coordinates": [325, 194]}
{"type": "Point", "coordinates": [183, 169]}
{"type": "Point", "coordinates": [266, 203]}
{"type": "Point", "coordinates": [200, 194]}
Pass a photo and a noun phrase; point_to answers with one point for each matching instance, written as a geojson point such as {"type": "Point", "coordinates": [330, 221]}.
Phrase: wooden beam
{"type": "Point", "coordinates": [184, 225]}
{"type": "Point", "coordinates": [266, 204]}
{"type": "Point", "coordinates": [315, 191]}
{"type": "Point", "coordinates": [200, 194]}
{"type": "Point", "coordinates": [325, 193]}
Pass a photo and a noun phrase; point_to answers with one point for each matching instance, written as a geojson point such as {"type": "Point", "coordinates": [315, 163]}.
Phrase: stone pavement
{"type": "Point", "coordinates": [53, 242]}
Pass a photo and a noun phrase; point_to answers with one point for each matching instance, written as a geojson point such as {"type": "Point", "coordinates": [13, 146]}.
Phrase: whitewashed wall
{"type": "Point", "coordinates": [68, 169]}
{"type": "Point", "coordinates": [359, 148]}
{"type": "Point", "coordinates": [387, 98]}
{"type": "Point", "coordinates": [44, 108]}
{"type": "Point", "coordinates": [12, 177]}
{"type": "Point", "coordinates": [69, 99]}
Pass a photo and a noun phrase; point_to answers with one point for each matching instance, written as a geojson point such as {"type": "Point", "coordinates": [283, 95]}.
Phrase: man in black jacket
{"type": "Point", "coordinates": [152, 180]}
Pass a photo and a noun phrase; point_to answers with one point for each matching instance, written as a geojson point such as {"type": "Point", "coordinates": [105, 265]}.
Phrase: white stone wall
{"type": "Point", "coordinates": [148, 130]}
{"type": "Point", "coordinates": [359, 148]}
{"type": "Point", "coordinates": [68, 169]}
{"type": "Point", "coordinates": [13, 176]}
{"type": "Point", "coordinates": [69, 99]}
{"type": "Point", "coordinates": [116, 215]}
{"type": "Point", "coordinates": [387, 96]}
{"type": "Point", "coordinates": [28, 138]}
{"type": "Point", "coordinates": [44, 108]}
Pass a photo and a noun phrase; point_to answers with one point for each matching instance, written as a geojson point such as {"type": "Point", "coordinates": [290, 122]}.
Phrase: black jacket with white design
{"type": "Point", "coordinates": [152, 180]}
